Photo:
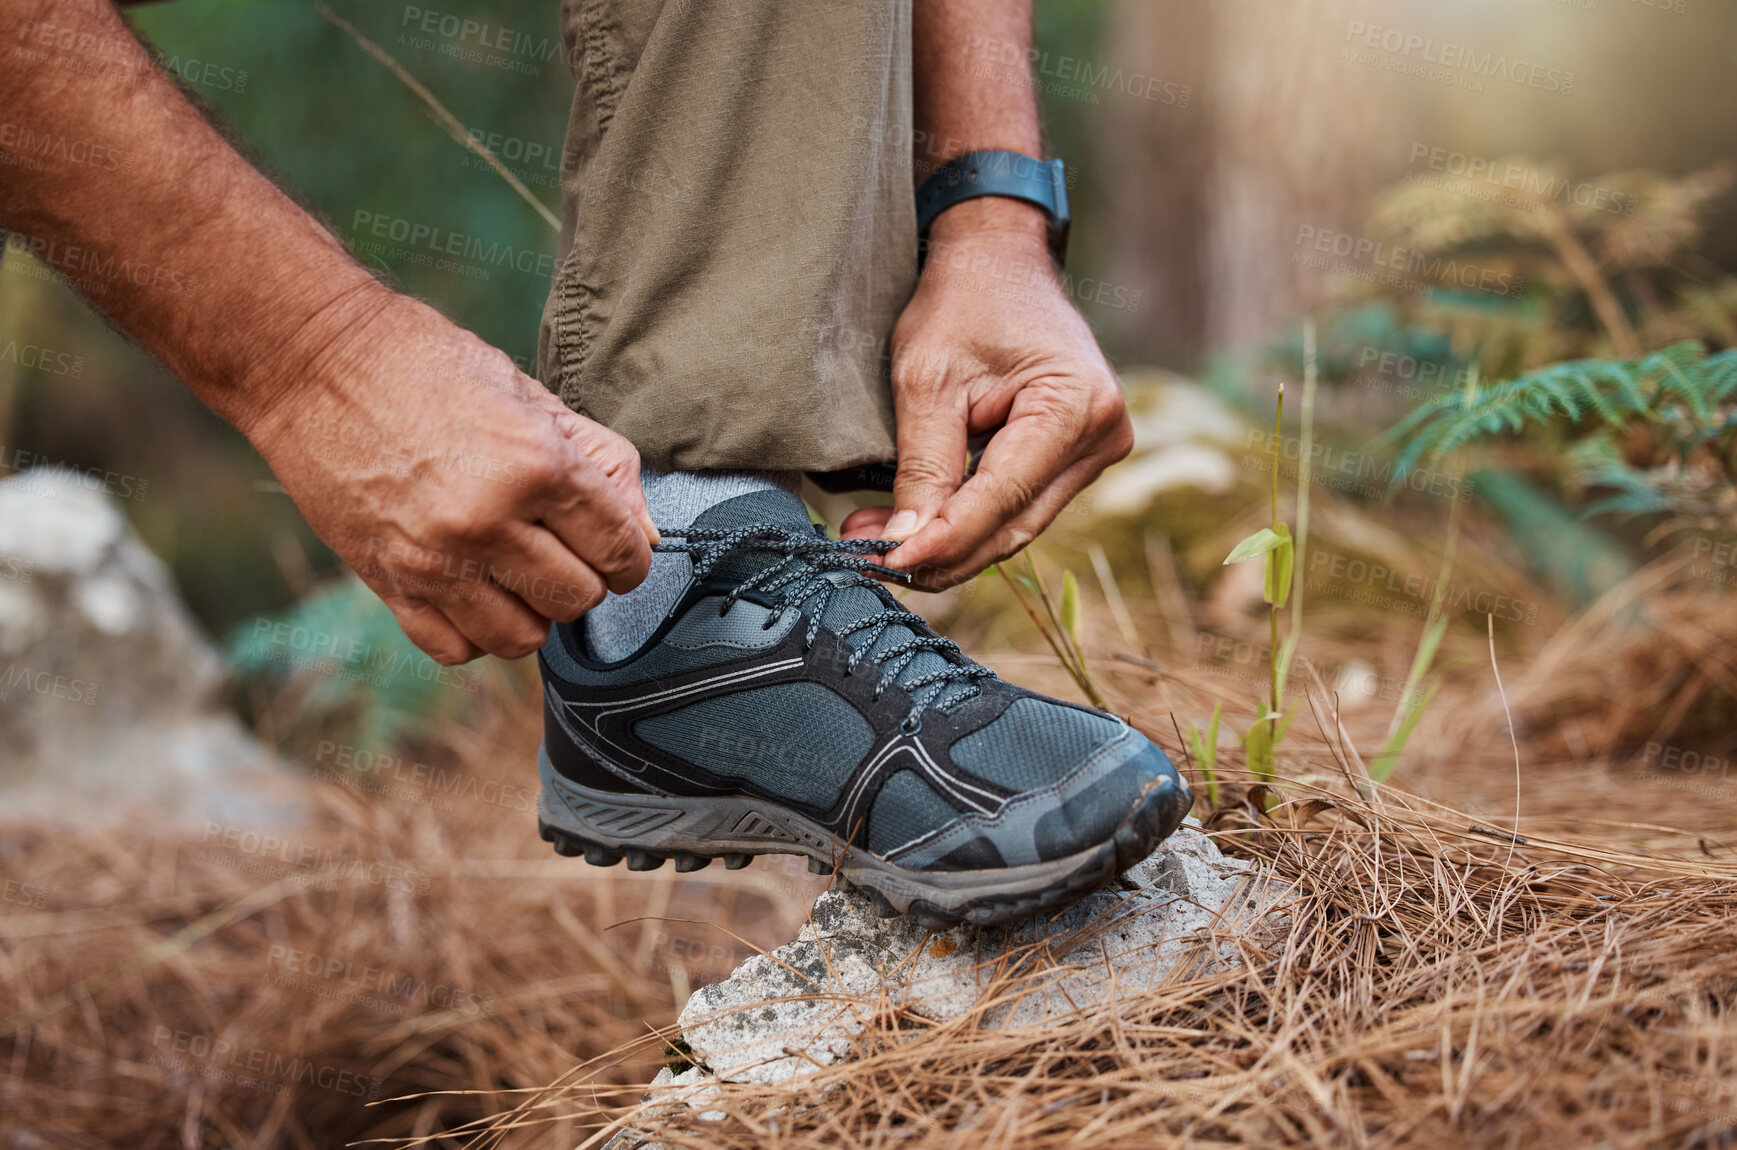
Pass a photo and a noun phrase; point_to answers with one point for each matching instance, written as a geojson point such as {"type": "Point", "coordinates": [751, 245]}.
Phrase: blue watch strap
{"type": "Point", "coordinates": [997, 173]}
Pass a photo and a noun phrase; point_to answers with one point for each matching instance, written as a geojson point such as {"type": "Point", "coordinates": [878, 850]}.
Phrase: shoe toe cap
{"type": "Point", "coordinates": [1127, 791]}
{"type": "Point", "coordinates": [1140, 790]}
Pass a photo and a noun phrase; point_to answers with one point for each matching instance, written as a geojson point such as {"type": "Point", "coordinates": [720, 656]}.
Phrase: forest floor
{"type": "Point", "coordinates": [1527, 936]}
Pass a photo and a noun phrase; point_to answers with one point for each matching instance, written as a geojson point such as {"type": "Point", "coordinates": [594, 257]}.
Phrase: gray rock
{"type": "Point", "coordinates": [109, 691]}
{"type": "Point", "coordinates": [1186, 911]}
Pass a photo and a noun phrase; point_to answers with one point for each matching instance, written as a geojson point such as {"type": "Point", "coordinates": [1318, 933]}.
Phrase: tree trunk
{"type": "Point", "coordinates": [1281, 133]}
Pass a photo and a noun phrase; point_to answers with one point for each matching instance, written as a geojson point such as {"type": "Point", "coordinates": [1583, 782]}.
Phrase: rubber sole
{"type": "Point", "coordinates": [645, 831]}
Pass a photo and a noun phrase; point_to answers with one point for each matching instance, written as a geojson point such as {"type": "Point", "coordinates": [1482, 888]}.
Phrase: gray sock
{"type": "Point", "coordinates": [618, 626]}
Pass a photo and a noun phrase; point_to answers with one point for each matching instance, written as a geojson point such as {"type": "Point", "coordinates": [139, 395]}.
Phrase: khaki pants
{"type": "Point", "coordinates": [739, 228]}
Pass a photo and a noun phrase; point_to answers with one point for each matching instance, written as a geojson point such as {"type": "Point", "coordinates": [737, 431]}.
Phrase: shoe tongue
{"type": "Point", "coordinates": [770, 508]}
{"type": "Point", "coordinates": [847, 605]}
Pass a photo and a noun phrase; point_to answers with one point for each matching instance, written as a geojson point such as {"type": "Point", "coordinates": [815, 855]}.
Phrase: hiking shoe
{"type": "Point", "coordinates": [788, 704]}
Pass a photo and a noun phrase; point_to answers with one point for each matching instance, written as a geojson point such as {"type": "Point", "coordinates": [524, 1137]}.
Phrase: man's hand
{"type": "Point", "coordinates": [989, 339]}
{"type": "Point", "coordinates": [463, 492]}
{"type": "Point", "coordinates": [472, 501]}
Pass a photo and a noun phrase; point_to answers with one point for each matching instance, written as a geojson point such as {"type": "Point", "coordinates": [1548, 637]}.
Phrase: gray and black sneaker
{"type": "Point", "coordinates": [788, 704]}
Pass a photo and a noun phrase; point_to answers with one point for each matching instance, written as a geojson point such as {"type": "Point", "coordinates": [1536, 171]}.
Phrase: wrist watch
{"type": "Point", "coordinates": [998, 173]}
{"type": "Point", "coordinates": [965, 177]}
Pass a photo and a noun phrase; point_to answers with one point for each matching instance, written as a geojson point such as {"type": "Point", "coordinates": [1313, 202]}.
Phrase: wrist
{"type": "Point", "coordinates": [321, 350]}
{"type": "Point", "coordinates": [992, 216]}
{"type": "Point", "coordinates": [1003, 239]}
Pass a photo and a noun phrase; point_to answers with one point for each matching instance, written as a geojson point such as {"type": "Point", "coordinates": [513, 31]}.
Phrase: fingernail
{"type": "Point", "coordinates": [900, 526]}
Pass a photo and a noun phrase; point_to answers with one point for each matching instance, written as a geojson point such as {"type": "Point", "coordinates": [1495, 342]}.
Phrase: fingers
{"type": "Point", "coordinates": [610, 453]}
{"type": "Point", "coordinates": [431, 631]}
{"type": "Point", "coordinates": [1039, 442]}
{"type": "Point", "coordinates": [865, 523]}
{"type": "Point", "coordinates": [486, 571]}
{"type": "Point", "coordinates": [590, 513]}
{"type": "Point", "coordinates": [616, 458]}
{"type": "Point", "coordinates": [537, 567]}
{"type": "Point", "coordinates": [932, 411]}
{"type": "Point", "coordinates": [496, 621]}
{"type": "Point", "coordinates": [458, 609]}
{"type": "Point", "coordinates": [1013, 536]}
{"type": "Point", "coordinates": [495, 562]}
{"type": "Point", "coordinates": [1047, 454]}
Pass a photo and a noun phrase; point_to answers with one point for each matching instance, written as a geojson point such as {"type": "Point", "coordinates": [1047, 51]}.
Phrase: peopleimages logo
{"type": "Point", "coordinates": [477, 41]}
{"type": "Point", "coordinates": [74, 50]}
{"type": "Point", "coordinates": [390, 987]}
{"type": "Point", "coordinates": [1443, 60]}
{"type": "Point", "coordinates": [300, 646]}
{"type": "Point", "coordinates": [39, 472]}
{"type": "Point", "coordinates": [420, 237]}
{"type": "Point", "coordinates": [225, 1061]}
{"type": "Point", "coordinates": [395, 775]}
{"type": "Point", "coordinates": [95, 273]}
{"type": "Point", "coordinates": [1510, 176]}
{"type": "Point", "coordinates": [1455, 597]}
{"type": "Point", "coordinates": [1410, 369]}
{"type": "Point", "coordinates": [1349, 470]}
{"type": "Point", "coordinates": [1398, 266]}
{"type": "Point", "coordinates": [20, 144]}
{"type": "Point", "coordinates": [1034, 66]}
{"type": "Point", "coordinates": [49, 684]}
{"type": "Point", "coordinates": [43, 359]}
{"type": "Point", "coordinates": [321, 866]}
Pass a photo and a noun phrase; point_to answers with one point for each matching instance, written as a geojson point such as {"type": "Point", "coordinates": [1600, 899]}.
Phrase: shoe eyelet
{"type": "Point", "coordinates": [910, 726]}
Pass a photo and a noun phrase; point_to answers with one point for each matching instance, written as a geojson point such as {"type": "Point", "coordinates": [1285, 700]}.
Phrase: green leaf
{"type": "Point", "coordinates": [1279, 563]}
{"type": "Point", "coordinates": [1284, 725]}
{"type": "Point", "coordinates": [1679, 388]}
{"type": "Point", "coordinates": [1206, 747]}
{"type": "Point", "coordinates": [1395, 745]}
{"type": "Point", "coordinates": [1287, 654]}
{"type": "Point", "coordinates": [1262, 541]}
{"type": "Point", "coordinates": [1206, 752]}
{"type": "Point", "coordinates": [1070, 607]}
{"type": "Point", "coordinates": [1426, 649]}
{"type": "Point", "coordinates": [1258, 744]}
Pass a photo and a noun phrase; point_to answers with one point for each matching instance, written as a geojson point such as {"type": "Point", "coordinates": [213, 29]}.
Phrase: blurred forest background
{"type": "Point", "coordinates": [1204, 138]}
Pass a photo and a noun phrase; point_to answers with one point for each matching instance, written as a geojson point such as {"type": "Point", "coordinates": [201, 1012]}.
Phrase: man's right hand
{"type": "Point", "coordinates": [471, 500]}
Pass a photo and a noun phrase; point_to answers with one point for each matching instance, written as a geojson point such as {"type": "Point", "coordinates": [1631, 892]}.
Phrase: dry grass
{"type": "Point", "coordinates": [1445, 984]}
{"type": "Point", "coordinates": [167, 993]}
{"type": "Point", "coordinates": [1441, 987]}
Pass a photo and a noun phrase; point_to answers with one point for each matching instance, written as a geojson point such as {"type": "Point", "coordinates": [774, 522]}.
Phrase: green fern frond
{"type": "Point", "coordinates": [1618, 392]}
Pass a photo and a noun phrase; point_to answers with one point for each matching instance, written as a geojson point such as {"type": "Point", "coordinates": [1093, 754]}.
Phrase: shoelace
{"type": "Point", "coordinates": [809, 560]}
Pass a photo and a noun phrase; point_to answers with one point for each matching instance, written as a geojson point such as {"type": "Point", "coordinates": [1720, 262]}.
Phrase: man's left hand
{"type": "Point", "coordinates": [990, 341]}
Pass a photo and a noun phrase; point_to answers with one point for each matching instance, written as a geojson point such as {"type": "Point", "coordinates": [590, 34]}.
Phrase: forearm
{"type": "Point", "coordinates": [959, 107]}
{"type": "Point", "coordinates": [175, 236]}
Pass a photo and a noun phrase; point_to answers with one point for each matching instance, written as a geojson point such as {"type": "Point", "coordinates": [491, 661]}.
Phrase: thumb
{"type": "Point", "coordinates": [932, 449]}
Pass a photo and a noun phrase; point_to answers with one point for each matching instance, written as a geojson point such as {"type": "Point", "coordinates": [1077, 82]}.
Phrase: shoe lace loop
{"type": "Point", "coordinates": [809, 574]}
